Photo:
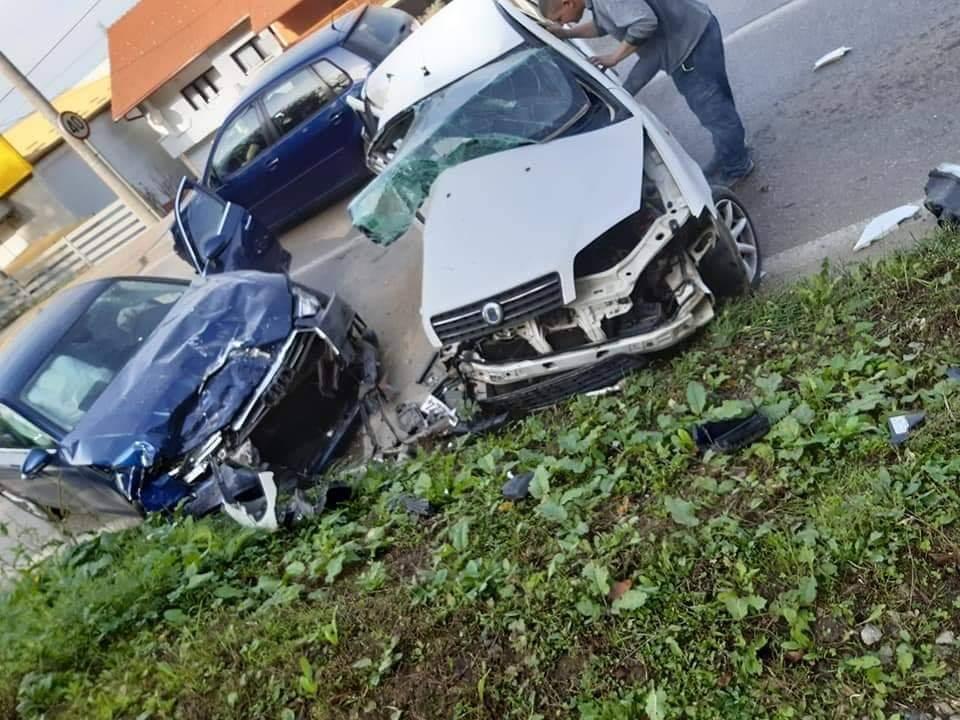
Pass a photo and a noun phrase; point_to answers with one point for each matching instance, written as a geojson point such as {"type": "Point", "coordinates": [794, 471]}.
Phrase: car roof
{"type": "Point", "coordinates": [23, 355]}
{"type": "Point", "coordinates": [299, 54]}
{"type": "Point", "coordinates": [463, 36]}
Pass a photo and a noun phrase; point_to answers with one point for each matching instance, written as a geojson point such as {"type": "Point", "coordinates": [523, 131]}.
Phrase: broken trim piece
{"type": "Point", "coordinates": [883, 225]}
{"type": "Point", "coordinates": [831, 57]}
{"type": "Point", "coordinates": [268, 521]}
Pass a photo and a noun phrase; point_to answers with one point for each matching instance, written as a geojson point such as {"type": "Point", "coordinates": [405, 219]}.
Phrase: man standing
{"type": "Point", "coordinates": [680, 37]}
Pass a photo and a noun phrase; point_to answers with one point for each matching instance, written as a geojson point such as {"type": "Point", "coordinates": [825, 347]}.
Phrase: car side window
{"type": "Point", "coordinates": [18, 433]}
{"type": "Point", "coordinates": [241, 142]}
{"type": "Point", "coordinates": [296, 98]}
{"type": "Point", "coordinates": [333, 76]}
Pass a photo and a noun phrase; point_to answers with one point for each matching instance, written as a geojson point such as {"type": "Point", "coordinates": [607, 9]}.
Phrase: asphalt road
{"type": "Point", "coordinates": [853, 139]}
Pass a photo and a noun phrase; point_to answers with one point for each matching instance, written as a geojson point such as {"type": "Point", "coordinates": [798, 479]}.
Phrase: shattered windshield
{"type": "Point", "coordinates": [525, 97]}
{"type": "Point", "coordinates": [97, 346]}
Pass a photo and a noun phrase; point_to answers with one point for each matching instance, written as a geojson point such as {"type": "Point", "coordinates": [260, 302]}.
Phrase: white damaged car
{"type": "Point", "coordinates": [566, 234]}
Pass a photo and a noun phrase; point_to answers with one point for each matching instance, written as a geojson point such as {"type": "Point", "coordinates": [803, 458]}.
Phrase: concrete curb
{"type": "Point", "coordinates": [837, 247]}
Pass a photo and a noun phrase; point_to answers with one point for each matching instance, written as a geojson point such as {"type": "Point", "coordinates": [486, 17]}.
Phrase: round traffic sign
{"type": "Point", "coordinates": [75, 124]}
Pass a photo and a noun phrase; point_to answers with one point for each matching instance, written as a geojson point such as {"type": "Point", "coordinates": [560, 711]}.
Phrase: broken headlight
{"type": "Point", "coordinates": [308, 304]}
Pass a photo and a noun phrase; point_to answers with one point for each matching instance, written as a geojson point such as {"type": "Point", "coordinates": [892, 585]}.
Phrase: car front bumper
{"type": "Point", "coordinates": [695, 310]}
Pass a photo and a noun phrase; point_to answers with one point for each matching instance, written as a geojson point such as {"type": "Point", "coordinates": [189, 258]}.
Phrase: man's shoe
{"type": "Point", "coordinates": [730, 180]}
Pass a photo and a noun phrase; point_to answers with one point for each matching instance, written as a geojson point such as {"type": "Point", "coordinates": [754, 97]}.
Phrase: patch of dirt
{"type": "Point", "coordinates": [442, 665]}
{"type": "Point", "coordinates": [829, 630]}
{"type": "Point", "coordinates": [406, 563]}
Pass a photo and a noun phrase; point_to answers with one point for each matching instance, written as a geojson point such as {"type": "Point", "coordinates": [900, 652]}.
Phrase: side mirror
{"type": "Point", "coordinates": [36, 460]}
{"type": "Point", "coordinates": [355, 103]}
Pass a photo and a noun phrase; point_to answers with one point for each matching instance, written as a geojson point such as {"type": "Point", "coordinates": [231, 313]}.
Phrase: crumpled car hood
{"type": "Point", "coordinates": [502, 220]}
{"type": "Point", "coordinates": [190, 377]}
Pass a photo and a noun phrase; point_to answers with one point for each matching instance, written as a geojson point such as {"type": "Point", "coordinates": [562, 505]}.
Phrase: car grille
{"type": "Point", "coordinates": [552, 389]}
{"type": "Point", "coordinates": [519, 304]}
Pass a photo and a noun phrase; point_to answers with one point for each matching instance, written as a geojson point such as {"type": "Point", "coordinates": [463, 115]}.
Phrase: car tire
{"type": "Point", "coordinates": [734, 267]}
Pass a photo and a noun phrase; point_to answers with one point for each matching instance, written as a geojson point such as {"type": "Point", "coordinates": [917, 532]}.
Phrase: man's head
{"type": "Point", "coordinates": [562, 11]}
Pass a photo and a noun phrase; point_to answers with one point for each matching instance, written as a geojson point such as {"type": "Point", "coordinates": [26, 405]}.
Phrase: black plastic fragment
{"type": "Point", "coordinates": [902, 425]}
{"type": "Point", "coordinates": [481, 426]}
{"type": "Point", "coordinates": [731, 435]}
{"type": "Point", "coordinates": [943, 194]}
{"type": "Point", "coordinates": [297, 510]}
{"type": "Point", "coordinates": [518, 486]}
{"type": "Point", "coordinates": [413, 505]}
{"type": "Point", "coordinates": [410, 418]}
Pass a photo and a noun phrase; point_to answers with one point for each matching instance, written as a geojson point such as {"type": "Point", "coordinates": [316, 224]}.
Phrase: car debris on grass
{"type": "Point", "coordinates": [517, 487]}
{"type": "Point", "coordinates": [902, 425]}
{"type": "Point", "coordinates": [639, 572]}
{"type": "Point", "coordinates": [731, 435]}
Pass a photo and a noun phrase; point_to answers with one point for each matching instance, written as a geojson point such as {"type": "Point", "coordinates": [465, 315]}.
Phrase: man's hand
{"type": "Point", "coordinates": [605, 61]}
{"type": "Point", "coordinates": [623, 51]}
{"type": "Point", "coordinates": [557, 29]}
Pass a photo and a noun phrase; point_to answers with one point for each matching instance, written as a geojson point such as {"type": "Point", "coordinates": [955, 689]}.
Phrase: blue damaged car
{"type": "Point", "coordinates": [140, 394]}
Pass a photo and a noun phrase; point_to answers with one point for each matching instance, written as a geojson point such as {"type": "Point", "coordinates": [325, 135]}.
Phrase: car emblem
{"type": "Point", "coordinates": [492, 313]}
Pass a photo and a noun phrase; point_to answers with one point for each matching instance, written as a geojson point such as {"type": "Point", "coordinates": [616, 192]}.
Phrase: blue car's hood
{"type": "Point", "coordinates": [189, 378]}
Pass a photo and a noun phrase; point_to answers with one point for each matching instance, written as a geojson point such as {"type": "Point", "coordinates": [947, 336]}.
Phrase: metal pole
{"type": "Point", "coordinates": [94, 161]}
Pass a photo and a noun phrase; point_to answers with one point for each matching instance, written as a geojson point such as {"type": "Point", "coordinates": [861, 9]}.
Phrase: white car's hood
{"type": "Point", "coordinates": [463, 36]}
{"type": "Point", "coordinates": [505, 219]}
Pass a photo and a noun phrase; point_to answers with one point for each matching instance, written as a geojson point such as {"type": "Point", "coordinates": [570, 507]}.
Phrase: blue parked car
{"type": "Point", "coordinates": [293, 143]}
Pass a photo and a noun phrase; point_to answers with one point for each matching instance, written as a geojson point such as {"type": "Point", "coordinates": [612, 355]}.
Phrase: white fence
{"type": "Point", "coordinates": [97, 238]}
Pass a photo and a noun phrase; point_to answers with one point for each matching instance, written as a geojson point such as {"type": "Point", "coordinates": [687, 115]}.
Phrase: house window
{"type": "Point", "coordinates": [203, 90]}
{"type": "Point", "coordinates": [250, 55]}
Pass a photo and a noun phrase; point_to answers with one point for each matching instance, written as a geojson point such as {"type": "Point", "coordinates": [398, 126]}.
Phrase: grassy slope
{"type": "Point", "coordinates": [750, 576]}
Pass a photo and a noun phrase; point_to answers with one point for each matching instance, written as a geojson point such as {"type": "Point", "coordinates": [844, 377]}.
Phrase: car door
{"type": "Point", "coordinates": [241, 162]}
{"type": "Point", "coordinates": [215, 236]}
{"type": "Point", "coordinates": [350, 162]}
{"type": "Point", "coordinates": [80, 492]}
{"type": "Point", "coordinates": [314, 128]}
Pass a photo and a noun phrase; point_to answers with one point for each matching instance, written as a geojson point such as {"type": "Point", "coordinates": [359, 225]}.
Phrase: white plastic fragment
{"type": "Point", "coordinates": [899, 424]}
{"type": "Point", "coordinates": [871, 634]}
{"type": "Point", "coordinates": [945, 638]}
{"type": "Point", "coordinates": [434, 408]}
{"type": "Point", "coordinates": [268, 522]}
{"type": "Point", "coordinates": [603, 392]}
{"type": "Point", "coordinates": [883, 225]}
{"type": "Point", "coordinates": [831, 57]}
{"type": "Point", "coordinates": [949, 169]}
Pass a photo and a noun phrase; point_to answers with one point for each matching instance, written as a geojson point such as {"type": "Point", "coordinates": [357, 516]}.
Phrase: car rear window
{"type": "Point", "coordinates": [377, 33]}
{"type": "Point", "coordinates": [96, 347]}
